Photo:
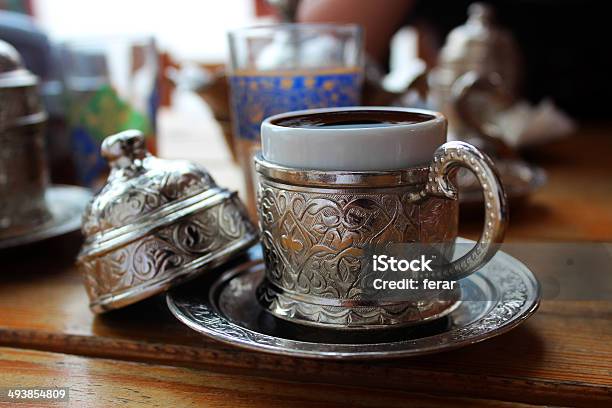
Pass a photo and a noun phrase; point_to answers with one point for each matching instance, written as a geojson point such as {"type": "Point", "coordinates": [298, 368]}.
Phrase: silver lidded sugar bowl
{"type": "Point", "coordinates": [156, 223]}
{"type": "Point", "coordinates": [23, 170]}
{"type": "Point", "coordinates": [478, 73]}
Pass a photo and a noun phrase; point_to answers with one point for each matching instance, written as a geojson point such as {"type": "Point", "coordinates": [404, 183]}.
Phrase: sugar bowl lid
{"type": "Point", "coordinates": [154, 224]}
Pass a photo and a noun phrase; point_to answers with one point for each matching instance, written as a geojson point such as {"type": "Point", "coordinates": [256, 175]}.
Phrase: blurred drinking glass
{"type": "Point", "coordinates": [287, 67]}
{"type": "Point", "coordinates": [111, 85]}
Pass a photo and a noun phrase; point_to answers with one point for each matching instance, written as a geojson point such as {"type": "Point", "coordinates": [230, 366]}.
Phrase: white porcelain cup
{"type": "Point", "coordinates": [353, 139]}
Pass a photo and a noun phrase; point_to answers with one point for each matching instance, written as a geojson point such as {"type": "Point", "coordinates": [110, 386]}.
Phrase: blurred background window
{"type": "Point", "coordinates": [194, 30]}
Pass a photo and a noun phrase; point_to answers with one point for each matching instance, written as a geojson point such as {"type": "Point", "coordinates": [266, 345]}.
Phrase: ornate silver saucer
{"type": "Point", "coordinates": [66, 205]}
{"type": "Point", "coordinates": [499, 297]}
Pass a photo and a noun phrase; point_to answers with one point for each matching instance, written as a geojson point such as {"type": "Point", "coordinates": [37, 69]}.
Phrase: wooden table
{"type": "Point", "coordinates": [142, 356]}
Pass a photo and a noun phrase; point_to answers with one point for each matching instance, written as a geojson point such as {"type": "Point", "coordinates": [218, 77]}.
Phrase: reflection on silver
{"type": "Point", "coordinates": [501, 296]}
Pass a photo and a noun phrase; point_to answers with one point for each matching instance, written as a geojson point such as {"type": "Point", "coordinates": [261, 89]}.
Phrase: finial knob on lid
{"type": "Point", "coordinates": [481, 12]}
{"type": "Point", "coordinates": [124, 149]}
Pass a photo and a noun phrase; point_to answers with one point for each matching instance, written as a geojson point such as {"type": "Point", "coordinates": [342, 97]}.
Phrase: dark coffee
{"type": "Point", "coordinates": [353, 119]}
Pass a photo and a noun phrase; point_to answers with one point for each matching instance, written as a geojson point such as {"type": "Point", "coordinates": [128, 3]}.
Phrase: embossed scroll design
{"type": "Point", "coordinates": [314, 244]}
{"type": "Point", "coordinates": [314, 241]}
{"type": "Point", "coordinates": [160, 255]}
{"type": "Point", "coordinates": [126, 198]}
{"type": "Point", "coordinates": [514, 295]}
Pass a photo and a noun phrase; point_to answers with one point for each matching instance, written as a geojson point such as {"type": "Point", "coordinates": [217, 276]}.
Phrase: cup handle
{"type": "Point", "coordinates": [448, 157]}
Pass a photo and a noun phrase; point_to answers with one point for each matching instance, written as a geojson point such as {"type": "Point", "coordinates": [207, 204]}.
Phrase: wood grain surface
{"type": "Point", "coordinates": [108, 383]}
{"type": "Point", "coordinates": [561, 356]}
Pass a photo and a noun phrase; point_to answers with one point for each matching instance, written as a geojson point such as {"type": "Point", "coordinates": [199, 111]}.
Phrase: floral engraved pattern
{"type": "Point", "coordinates": [314, 244]}
{"type": "Point", "coordinates": [155, 223]}
{"type": "Point", "coordinates": [127, 197]}
{"type": "Point", "coordinates": [514, 293]}
{"type": "Point", "coordinates": [163, 254]}
{"type": "Point", "coordinates": [314, 241]}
